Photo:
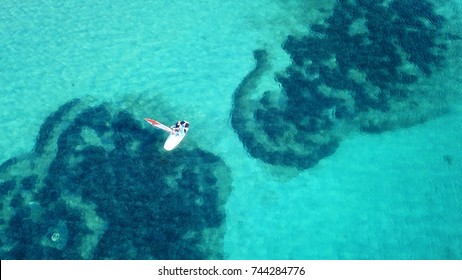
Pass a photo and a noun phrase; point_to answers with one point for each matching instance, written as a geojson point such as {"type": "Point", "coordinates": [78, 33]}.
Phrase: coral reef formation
{"type": "Point", "coordinates": [98, 185]}
{"type": "Point", "coordinates": [364, 68]}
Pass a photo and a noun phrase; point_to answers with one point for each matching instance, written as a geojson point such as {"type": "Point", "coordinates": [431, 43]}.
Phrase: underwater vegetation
{"type": "Point", "coordinates": [98, 185]}
{"type": "Point", "coordinates": [359, 70]}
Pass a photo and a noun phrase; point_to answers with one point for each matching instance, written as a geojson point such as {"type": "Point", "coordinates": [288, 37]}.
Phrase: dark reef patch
{"type": "Point", "coordinates": [361, 69]}
{"type": "Point", "coordinates": [100, 186]}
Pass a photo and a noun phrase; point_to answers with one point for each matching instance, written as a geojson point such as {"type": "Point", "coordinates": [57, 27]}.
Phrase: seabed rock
{"type": "Point", "coordinates": [98, 185]}
{"type": "Point", "coordinates": [366, 68]}
{"type": "Point", "coordinates": [56, 236]}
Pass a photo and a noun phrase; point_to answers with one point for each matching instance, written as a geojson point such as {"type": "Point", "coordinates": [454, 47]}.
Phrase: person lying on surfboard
{"type": "Point", "coordinates": [181, 127]}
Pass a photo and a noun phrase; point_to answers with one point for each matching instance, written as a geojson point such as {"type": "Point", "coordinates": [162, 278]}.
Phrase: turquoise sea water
{"type": "Point", "coordinates": [394, 194]}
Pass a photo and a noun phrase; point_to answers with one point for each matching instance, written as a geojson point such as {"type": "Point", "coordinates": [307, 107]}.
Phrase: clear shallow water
{"type": "Point", "coordinates": [394, 195]}
{"type": "Point", "coordinates": [387, 196]}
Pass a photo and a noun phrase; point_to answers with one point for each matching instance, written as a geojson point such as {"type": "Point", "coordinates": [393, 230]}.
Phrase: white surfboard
{"type": "Point", "coordinates": [173, 139]}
